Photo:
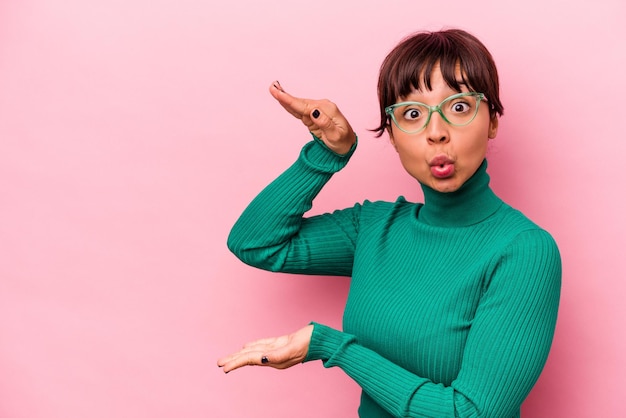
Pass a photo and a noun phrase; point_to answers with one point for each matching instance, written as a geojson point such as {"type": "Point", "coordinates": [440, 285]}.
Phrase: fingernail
{"type": "Point", "coordinates": [264, 360]}
{"type": "Point", "coordinates": [278, 86]}
{"type": "Point", "coordinates": [316, 113]}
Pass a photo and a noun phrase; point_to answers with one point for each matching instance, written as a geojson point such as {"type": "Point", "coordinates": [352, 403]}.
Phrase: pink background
{"type": "Point", "coordinates": [134, 132]}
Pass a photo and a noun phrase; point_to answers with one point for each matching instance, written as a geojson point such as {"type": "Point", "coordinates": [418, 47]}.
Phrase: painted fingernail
{"type": "Point", "coordinates": [264, 360]}
{"type": "Point", "coordinates": [278, 86]}
{"type": "Point", "coordinates": [316, 114]}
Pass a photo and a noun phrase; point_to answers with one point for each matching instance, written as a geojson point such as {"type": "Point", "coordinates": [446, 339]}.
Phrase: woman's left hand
{"type": "Point", "coordinates": [279, 353]}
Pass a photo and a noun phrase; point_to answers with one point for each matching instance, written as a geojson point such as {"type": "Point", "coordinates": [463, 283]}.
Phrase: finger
{"type": "Point", "coordinates": [233, 356]}
{"type": "Point", "coordinates": [252, 358]}
{"type": "Point", "coordinates": [250, 351]}
{"type": "Point", "coordinates": [279, 358]}
{"type": "Point", "coordinates": [243, 353]}
{"type": "Point", "coordinates": [294, 105]}
{"type": "Point", "coordinates": [226, 359]}
{"type": "Point", "coordinates": [325, 124]}
{"type": "Point", "coordinates": [289, 354]}
{"type": "Point", "coordinates": [276, 88]}
{"type": "Point", "coordinates": [308, 122]}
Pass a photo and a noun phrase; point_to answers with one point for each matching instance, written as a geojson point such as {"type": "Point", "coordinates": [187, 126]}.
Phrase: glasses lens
{"type": "Point", "coordinates": [411, 117]}
{"type": "Point", "coordinates": [460, 110]}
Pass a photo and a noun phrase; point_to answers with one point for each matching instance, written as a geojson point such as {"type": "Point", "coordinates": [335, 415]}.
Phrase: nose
{"type": "Point", "coordinates": [437, 129]}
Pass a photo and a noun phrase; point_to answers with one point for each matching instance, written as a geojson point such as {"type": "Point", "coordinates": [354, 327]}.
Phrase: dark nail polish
{"type": "Point", "coordinates": [278, 86]}
{"type": "Point", "coordinates": [316, 113]}
{"type": "Point", "coordinates": [264, 360]}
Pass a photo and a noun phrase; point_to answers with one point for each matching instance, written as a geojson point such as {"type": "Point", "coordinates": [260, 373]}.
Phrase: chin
{"type": "Point", "coordinates": [448, 190]}
{"type": "Point", "coordinates": [445, 186]}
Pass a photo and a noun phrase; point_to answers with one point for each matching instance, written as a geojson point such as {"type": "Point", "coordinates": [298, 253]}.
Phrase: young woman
{"type": "Point", "coordinates": [453, 302]}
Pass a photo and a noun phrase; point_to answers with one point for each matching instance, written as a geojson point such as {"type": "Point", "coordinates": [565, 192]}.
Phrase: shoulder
{"type": "Point", "coordinates": [520, 227]}
{"type": "Point", "coordinates": [518, 241]}
{"type": "Point", "coordinates": [526, 245]}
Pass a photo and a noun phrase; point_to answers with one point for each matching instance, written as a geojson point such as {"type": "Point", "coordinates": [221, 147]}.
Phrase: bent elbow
{"type": "Point", "coordinates": [259, 256]}
{"type": "Point", "coordinates": [236, 245]}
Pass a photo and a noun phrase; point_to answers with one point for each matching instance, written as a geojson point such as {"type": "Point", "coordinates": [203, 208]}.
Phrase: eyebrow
{"type": "Point", "coordinates": [460, 83]}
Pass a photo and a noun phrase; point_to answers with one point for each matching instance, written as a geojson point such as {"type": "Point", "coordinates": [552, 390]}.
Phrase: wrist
{"type": "Point", "coordinates": [340, 150]}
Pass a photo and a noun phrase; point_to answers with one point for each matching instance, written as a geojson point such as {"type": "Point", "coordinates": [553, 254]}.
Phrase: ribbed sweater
{"type": "Point", "coordinates": [452, 303]}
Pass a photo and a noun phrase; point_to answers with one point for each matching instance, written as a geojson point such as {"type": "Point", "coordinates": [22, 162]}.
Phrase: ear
{"type": "Point", "coordinates": [493, 127]}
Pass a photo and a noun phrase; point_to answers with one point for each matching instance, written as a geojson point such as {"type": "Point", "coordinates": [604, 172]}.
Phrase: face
{"type": "Point", "coordinates": [443, 156]}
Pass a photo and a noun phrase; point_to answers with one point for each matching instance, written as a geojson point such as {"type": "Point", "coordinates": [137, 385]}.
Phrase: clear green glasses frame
{"type": "Point", "coordinates": [457, 110]}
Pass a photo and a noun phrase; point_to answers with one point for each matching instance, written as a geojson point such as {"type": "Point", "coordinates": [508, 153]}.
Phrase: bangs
{"type": "Point", "coordinates": [414, 72]}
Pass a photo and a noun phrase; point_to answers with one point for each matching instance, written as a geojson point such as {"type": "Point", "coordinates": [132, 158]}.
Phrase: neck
{"type": "Point", "coordinates": [473, 202]}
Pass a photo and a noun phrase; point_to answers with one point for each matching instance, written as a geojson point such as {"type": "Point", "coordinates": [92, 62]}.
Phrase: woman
{"type": "Point", "coordinates": [453, 302]}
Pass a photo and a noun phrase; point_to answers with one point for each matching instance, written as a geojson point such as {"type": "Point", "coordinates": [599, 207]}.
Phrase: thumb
{"type": "Point", "coordinates": [323, 126]}
{"type": "Point", "coordinates": [283, 357]}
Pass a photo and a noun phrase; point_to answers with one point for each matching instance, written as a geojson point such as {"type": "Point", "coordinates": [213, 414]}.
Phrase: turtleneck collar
{"type": "Point", "coordinates": [473, 202]}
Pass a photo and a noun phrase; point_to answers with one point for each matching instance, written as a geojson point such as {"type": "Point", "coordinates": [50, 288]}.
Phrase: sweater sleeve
{"type": "Point", "coordinates": [273, 234]}
{"type": "Point", "coordinates": [506, 350]}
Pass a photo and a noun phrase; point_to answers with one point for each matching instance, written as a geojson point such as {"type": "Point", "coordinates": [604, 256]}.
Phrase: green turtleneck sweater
{"type": "Point", "coordinates": [452, 303]}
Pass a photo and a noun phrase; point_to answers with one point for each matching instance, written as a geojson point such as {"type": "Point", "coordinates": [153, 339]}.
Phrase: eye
{"type": "Point", "coordinates": [460, 107]}
{"type": "Point", "coordinates": [412, 114]}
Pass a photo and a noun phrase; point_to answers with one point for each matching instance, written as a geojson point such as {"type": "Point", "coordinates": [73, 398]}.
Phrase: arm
{"type": "Point", "coordinates": [272, 233]}
{"type": "Point", "coordinates": [505, 352]}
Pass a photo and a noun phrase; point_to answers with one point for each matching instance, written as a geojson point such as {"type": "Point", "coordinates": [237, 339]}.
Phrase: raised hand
{"type": "Point", "coordinates": [321, 117]}
{"type": "Point", "coordinates": [279, 353]}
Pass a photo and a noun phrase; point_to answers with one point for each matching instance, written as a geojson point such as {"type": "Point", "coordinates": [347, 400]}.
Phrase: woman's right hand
{"type": "Point", "coordinates": [321, 117]}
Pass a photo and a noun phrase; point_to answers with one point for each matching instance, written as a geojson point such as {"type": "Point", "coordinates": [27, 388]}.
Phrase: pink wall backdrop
{"type": "Point", "coordinates": [134, 132]}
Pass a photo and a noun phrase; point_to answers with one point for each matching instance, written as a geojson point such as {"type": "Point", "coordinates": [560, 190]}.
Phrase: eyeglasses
{"type": "Point", "coordinates": [457, 110]}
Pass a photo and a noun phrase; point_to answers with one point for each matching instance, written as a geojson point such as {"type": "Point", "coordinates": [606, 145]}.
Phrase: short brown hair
{"type": "Point", "coordinates": [409, 66]}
